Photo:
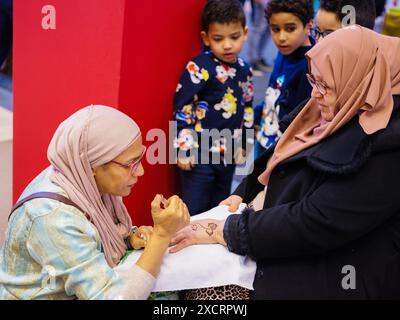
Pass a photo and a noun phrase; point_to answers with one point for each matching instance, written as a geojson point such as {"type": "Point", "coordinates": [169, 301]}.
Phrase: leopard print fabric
{"type": "Point", "coordinates": [229, 292]}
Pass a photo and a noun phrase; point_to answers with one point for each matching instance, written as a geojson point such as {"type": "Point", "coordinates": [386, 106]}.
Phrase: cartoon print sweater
{"type": "Point", "coordinates": [212, 94]}
{"type": "Point", "coordinates": [288, 87]}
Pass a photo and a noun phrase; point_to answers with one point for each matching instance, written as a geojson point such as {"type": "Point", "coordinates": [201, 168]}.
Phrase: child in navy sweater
{"type": "Point", "coordinates": [214, 93]}
{"type": "Point", "coordinates": [290, 22]}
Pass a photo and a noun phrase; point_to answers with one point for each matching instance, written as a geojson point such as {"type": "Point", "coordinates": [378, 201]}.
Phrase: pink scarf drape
{"type": "Point", "coordinates": [89, 138]}
{"type": "Point", "coordinates": [363, 69]}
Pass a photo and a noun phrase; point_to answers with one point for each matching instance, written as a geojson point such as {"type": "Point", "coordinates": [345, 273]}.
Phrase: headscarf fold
{"type": "Point", "coordinates": [363, 69]}
{"type": "Point", "coordinates": [89, 138]}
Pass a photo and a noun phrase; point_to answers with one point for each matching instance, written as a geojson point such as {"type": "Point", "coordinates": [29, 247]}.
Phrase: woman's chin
{"type": "Point", "coordinates": [127, 192]}
{"type": "Point", "coordinates": [326, 114]}
{"type": "Point", "coordinates": [123, 193]}
{"type": "Point", "coordinates": [327, 118]}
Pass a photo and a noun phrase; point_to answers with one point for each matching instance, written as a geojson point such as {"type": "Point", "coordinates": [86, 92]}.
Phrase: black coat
{"type": "Point", "coordinates": [333, 205]}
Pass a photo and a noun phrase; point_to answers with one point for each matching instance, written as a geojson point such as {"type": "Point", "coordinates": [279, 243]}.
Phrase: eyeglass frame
{"type": "Point", "coordinates": [134, 165]}
{"type": "Point", "coordinates": [318, 33]}
{"type": "Point", "coordinates": [320, 85]}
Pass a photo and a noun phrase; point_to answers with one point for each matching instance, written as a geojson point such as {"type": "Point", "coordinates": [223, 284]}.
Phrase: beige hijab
{"type": "Point", "coordinates": [89, 138]}
{"type": "Point", "coordinates": [363, 69]}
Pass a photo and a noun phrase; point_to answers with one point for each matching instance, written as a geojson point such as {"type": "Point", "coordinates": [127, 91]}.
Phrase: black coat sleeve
{"type": "Point", "coordinates": [241, 188]}
{"type": "Point", "coordinates": [287, 119]}
{"type": "Point", "coordinates": [342, 209]}
{"type": "Point", "coordinates": [250, 186]}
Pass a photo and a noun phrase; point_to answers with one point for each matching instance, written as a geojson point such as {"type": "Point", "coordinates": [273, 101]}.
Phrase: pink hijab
{"type": "Point", "coordinates": [89, 138]}
{"type": "Point", "coordinates": [363, 69]}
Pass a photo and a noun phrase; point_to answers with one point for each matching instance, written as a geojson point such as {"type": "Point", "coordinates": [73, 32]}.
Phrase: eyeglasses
{"type": "Point", "coordinates": [316, 33]}
{"type": "Point", "coordinates": [321, 86]}
{"type": "Point", "coordinates": [134, 165]}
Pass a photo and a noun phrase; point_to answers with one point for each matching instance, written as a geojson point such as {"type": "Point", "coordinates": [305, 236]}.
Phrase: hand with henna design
{"type": "Point", "coordinates": [198, 232]}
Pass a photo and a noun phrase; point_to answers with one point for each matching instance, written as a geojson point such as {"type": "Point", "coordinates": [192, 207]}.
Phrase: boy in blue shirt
{"type": "Point", "coordinates": [214, 92]}
{"type": "Point", "coordinates": [290, 22]}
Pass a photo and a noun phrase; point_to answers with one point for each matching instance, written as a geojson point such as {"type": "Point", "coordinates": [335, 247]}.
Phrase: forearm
{"type": "Point", "coordinates": [220, 233]}
{"type": "Point", "coordinates": [153, 254]}
{"type": "Point", "coordinates": [209, 230]}
{"type": "Point", "coordinates": [316, 224]}
{"type": "Point", "coordinates": [206, 231]}
{"type": "Point", "coordinates": [134, 283]}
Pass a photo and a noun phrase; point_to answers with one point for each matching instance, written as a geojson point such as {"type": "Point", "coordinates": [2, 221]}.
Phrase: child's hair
{"type": "Point", "coordinates": [222, 11]}
{"type": "Point", "coordinates": [365, 10]}
{"type": "Point", "coordinates": [303, 9]}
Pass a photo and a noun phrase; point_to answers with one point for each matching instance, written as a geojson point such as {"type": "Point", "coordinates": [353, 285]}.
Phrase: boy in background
{"type": "Point", "coordinates": [290, 22]}
{"type": "Point", "coordinates": [214, 92]}
{"type": "Point", "coordinates": [330, 17]}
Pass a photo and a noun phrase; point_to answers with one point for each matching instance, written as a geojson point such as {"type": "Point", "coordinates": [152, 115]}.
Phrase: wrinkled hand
{"type": "Point", "coordinates": [168, 221]}
{"type": "Point", "coordinates": [139, 239]}
{"type": "Point", "coordinates": [233, 202]}
{"type": "Point", "coordinates": [198, 232]}
{"type": "Point", "coordinates": [185, 164]}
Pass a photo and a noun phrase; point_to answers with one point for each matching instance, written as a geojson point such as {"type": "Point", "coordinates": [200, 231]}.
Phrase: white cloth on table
{"type": "Point", "coordinates": [202, 266]}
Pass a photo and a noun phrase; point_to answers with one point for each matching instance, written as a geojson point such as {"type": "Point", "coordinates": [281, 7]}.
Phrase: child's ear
{"type": "Point", "coordinates": [246, 32]}
{"type": "Point", "coordinates": [205, 38]}
{"type": "Point", "coordinates": [309, 25]}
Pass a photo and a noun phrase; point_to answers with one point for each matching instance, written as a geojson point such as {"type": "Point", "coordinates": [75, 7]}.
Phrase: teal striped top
{"type": "Point", "coordinates": [52, 251]}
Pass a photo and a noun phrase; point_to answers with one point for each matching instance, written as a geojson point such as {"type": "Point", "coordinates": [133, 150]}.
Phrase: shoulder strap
{"type": "Point", "coordinates": [49, 195]}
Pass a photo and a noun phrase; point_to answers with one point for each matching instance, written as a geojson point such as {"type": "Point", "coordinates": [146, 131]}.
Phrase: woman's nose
{"type": "Point", "coordinates": [315, 93]}
{"type": "Point", "coordinates": [139, 171]}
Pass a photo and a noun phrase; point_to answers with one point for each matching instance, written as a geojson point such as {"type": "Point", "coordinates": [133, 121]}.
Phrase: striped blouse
{"type": "Point", "coordinates": [52, 251]}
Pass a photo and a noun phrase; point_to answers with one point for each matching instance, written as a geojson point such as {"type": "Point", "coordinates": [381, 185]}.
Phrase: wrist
{"type": "Point", "coordinates": [129, 239]}
{"type": "Point", "coordinates": [161, 236]}
{"type": "Point", "coordinates": [210, 231]}
{"type": "Point", "coordinates": [219, 233]}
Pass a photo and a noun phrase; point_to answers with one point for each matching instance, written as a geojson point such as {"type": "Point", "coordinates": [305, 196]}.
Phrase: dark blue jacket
{"type": "Point", "coordinates": [289, 76]}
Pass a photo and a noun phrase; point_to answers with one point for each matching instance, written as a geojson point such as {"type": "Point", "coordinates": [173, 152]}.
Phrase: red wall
{"type": "Point", "coordinates": [159, 38]}
{"type": "Point", "coordinates": [123, 53]}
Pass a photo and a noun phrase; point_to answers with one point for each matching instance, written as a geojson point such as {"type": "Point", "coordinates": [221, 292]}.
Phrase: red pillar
{"type": "Point", "coordinates": [126, 54]}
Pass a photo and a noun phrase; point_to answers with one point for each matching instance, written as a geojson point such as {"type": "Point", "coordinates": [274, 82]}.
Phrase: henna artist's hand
{"type": "Point", "coordinates": [198, 232]}
{"type": "Point", "coordinates": [139, 239]}
{"type": "Point", "coordinates": [171, 219]}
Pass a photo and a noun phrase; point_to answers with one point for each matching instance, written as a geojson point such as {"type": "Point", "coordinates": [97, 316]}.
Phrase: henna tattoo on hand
{"type": "Point", "coordinates": [209, 229]}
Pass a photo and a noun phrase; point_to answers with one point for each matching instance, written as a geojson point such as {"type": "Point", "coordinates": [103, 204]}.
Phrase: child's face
{"type": "Point", "coordinates": [225, 40]}
{"type": "Point", "coordinates": [288, 32]}
{"type": "Point", "coordinates": [327, 22]}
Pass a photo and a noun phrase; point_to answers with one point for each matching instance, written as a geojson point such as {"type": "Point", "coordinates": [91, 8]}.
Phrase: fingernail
{"type": "Point", "coordinates": [164, 202]}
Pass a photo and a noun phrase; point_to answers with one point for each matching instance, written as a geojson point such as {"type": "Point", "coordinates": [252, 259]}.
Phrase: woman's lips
{"type": "Point", "coordinates": [131, 185]}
